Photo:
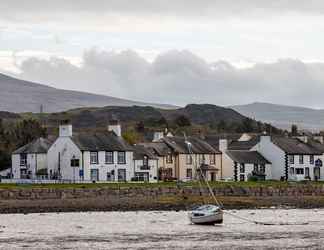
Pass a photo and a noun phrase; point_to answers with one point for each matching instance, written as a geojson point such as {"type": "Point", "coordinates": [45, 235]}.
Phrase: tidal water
{"type": "Point", "coordinates": [162, 230]}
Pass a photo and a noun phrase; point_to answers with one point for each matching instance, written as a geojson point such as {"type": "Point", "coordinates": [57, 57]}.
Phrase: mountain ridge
{"type": "Point", "coordinates": [19, 96]}
{"type": "Point", "coordinates": [283, 116]}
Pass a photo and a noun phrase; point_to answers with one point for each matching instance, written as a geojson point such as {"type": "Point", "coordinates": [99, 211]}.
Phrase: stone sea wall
{"type": "Point", "coordinates": [24, 200]}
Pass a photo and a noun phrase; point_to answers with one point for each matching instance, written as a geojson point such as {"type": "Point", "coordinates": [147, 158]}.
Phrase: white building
{"type": "Point", "coordinates": [247, 164]}
{"type": "Point", "coordinates": [30, 161]}
{"type": "Point", "coordinates": [291, 158]}
{"type": "Point", "coordinates": [145, 165]}
{"type": "Point", "coordinates": [91, 157]}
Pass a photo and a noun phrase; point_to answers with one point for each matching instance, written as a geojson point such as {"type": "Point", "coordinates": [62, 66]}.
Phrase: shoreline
{"type": "Point", "coordinates": [47, 199]}
{"type": "Point", "coordinates": [101, 205]}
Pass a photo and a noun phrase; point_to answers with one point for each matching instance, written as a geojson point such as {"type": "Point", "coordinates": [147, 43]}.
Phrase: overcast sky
{"type": "Point", "coordinates": [182, 51]}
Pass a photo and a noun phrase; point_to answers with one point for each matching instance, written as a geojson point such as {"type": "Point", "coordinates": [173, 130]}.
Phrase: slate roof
{"type": "Point", "coordinates": [295, 146]}
{"type": "Point", "coordinates": [249, 157]}
{"type": "Point", "coordinates": [198, 146]}
{"type": "Point", "coordinates": [107, 141]}
{"type": "Point", "coordinates": [315, 144]}
{"type": "Point", "coordinates": [244, 145]}
{"type": "Point", "coordinates": [38, 146]}
{"type": "Point", "coordinates": [233, 143]}
{"type": "Point", "coordinates": [140, 151]}
{"type": "Point", "coordinates": [213, 140]}
{"type": "Point", "coordinates": [159, 148]}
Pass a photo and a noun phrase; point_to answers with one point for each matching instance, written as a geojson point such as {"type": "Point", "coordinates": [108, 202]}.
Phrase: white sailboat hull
{"type": "Point", "coordinates": [201, 216]}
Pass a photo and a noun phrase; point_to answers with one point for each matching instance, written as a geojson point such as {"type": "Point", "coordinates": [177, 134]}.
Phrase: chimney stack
{"type": "Point", "coordinates": [115, 127]}
{"type": "Point", "coordinates": [157, 136]}
{"type": "Point", "coordinates": [223, 145]}
{"type": "Point", "coordinates": [65, 129]}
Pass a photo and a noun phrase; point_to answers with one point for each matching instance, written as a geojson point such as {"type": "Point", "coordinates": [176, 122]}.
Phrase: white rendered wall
{"type": "Point", "coordinates": [153, 172]}
{"type": "Point", "coordinates": [66, 148]}
{"type": "Point", "coordinates": [273, 154]}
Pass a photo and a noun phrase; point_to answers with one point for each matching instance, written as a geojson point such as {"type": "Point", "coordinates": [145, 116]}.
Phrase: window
{"type": "Point", "coordinates": [75, 163]}
{"type": "Point", "coordinates": [189, 173]}
{"type": "Point", "coordinates": [242, 168]}
{"type": "Point", "coordinates": [311, 159]}
{"type": "Point", "coordinates": [212, 159]}
{"type": "Point", "coordinates": [256, 167]}
{"type": "Point", "coordinates": [201, 159]}
{"type": "Point", "coordinates": [292, 171]}
{"type": "Point", "coordinates": [291, 159]}
{"type": "Point", "coordinates": [299, 171]}
{"type": "Point", "coordinates": [140, 176]}
{"type": "Point", "coordinates": [145, 161]}
{"type": "Point", "coordinates": [169, 158]}
{"type": "Point", "coordinates": [121, 157]}
{"type": "Point", "coordinates": [94, 174]}
{"type": "Point", "coordinates": [301, 159]}
{"type": "Point", "coordinates": [262, 168]}
{"type": "Point", "coordinates": [306, 172]}
{"type": "Point", "coordinates": [109, 157]}
{"type": "Point", "coordinates": [23, 159]}
{"type": "Point", "coordinates": [188, 159]}
{"type": "Point", "coordinates": [93, 157]}
{"type": "Point", "coordinates": [242, 177]}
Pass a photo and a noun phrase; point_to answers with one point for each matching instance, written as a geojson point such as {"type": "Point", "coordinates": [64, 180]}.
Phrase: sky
{"type": "Point", "coordinates": [223, 52]}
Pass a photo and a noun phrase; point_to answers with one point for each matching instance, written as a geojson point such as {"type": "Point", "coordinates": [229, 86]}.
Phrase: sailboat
{"type": "Point", "coordinates": [207, 214]}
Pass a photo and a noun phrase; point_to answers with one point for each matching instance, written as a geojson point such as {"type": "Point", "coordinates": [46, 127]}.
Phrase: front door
{"type": "Point", "coordinates": [212, 176]}
{"type": "Point", "coordinates": [317, 173]}
{"type": "Point", "coordinates": [94, 175]}
{"type": "Point", "coordinates": [121, 174]}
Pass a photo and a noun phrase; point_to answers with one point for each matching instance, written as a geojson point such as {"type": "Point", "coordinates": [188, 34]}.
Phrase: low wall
{"type": "Point", "coordinates": [24, 200]}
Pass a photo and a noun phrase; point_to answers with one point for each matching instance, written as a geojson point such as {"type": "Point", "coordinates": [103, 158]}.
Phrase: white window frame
{"type": "Point", "coordinates": [109, 155]}
{"type": "Point", "coordinates": [121, 157]}
{"type": "Point", "coordinates": [94, 154]}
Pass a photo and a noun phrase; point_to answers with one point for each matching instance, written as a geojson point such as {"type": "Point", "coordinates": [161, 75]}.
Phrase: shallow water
{"type": "Point", "coordinates": [161, 230]}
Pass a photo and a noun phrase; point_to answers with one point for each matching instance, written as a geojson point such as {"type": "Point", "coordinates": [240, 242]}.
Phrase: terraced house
{"type": "Point", "coordinates": [291, 158]}
{"type": "Point", "coordinates": [30, 161]}
{"type": "Point", "coordinates": [91, 157]}
{"type": "Point", "coordinates": [176, 162]}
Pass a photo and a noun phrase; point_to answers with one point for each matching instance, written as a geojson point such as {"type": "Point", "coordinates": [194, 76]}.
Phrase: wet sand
{"type": "Point", "coordinates": [161, 230]}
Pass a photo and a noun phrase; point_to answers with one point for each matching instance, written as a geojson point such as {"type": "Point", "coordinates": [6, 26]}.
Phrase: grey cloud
{"type": "Point", "coordinates": [180, 77]}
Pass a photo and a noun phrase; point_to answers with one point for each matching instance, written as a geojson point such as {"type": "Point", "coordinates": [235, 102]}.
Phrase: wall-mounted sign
{"type": "Point", "coordinates": [318, 163]}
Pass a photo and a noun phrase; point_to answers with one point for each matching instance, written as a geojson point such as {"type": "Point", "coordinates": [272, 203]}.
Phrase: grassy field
{"type": "Point", "coordinates": [158, 185]}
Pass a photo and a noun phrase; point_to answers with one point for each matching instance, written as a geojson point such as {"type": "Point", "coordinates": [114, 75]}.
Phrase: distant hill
{"type": "Point", "coordinates": [23, 96]}
{"type": "Point", "coordinates": [204, 118]}
{"type": "Point", "coordinates": [283, 116]}
{"type": "Point", "coordinates": [204, 114]}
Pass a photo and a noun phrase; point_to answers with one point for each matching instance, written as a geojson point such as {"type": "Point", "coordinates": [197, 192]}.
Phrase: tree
{"type": "Point", "coordinates": [247, 125]}
{"type": "Point", "coordinates": [182, 121]}
{"type": "Point", "coordinates": [221, 126]}
{"type": "Point", "coordinates": [131, 136]}
{"type": "Point", "coordinates": [140, 127]}
{"type": "Point", "coordinates": [294, 130]}
{"type": "Point", "coordinates": [26, 131]}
